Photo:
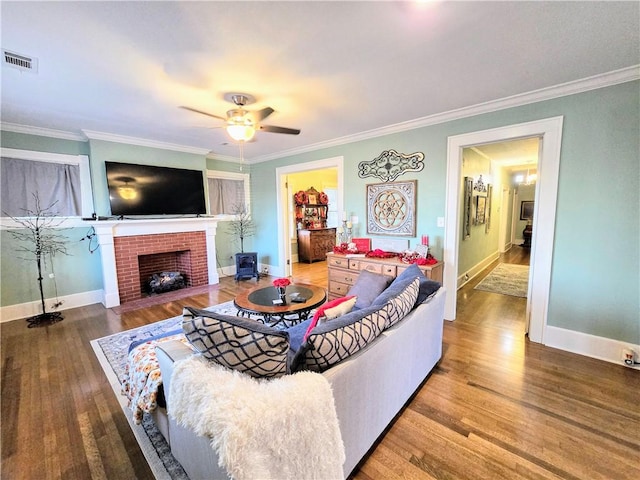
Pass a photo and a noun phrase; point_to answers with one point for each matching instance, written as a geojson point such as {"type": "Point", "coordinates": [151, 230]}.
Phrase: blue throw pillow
{"type": "Point", "coordinates": [427, 286]}
{"type": "Point", "coordinates": [367, 287]}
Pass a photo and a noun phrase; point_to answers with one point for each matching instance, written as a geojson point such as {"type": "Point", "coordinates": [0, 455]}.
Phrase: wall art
{"type": "Point", "coordinates": [391, 208]}
{"type": "Point", "coordinates": [526, 210]}
{"type": "Point", "coordinates": [481, 205]}
{"type": "Point", "coordinates": [487, 214]}
{"type": "Point", "coordinates": [390, 164]}
{"type": "Point", "coordinates": [466, 214]}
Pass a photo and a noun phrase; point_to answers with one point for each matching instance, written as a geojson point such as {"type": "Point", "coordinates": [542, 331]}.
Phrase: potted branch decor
{"type": "Point", "coordinates": [40, 243]}
{"type": "Point", "coordinates": [242, 227]}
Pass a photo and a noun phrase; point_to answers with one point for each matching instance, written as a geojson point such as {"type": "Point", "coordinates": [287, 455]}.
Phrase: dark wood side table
{"type": "Point", "coordinates": [526, 235]}
{"type": "Point", "coordinates": [259, 301]}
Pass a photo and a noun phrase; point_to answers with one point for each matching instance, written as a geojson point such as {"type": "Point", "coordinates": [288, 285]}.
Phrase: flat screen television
{"type": "Point", "coordinates": [151, 190]}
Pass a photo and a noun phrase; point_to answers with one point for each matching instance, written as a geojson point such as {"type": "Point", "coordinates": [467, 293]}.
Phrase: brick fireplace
{"type": "Point", "coordinates": [184, 244]}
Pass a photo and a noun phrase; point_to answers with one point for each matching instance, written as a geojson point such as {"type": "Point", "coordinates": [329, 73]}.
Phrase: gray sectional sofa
{"type": "Point", "coordinates": [370, 386]}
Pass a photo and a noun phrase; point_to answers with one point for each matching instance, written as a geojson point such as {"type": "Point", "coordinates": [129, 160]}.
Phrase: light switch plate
{"type": "Point", "coordinates": [440, 221]}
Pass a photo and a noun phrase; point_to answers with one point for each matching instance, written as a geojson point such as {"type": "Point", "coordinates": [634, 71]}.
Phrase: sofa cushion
{"type": "Point", "coordinates": [244, 345]}
{"type": "Point", "coordinates": [329, 310]}
{"type": "Point", "coordinates": [427, 286]}
{"type": "Point", "coordinates": [399, 305]}
{"type": "Point", "coordinates": [334, 341]}
{"type": "Point", "coordinates": [367, 287]}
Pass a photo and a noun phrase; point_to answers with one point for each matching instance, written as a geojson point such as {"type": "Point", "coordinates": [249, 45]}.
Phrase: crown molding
{"type": "Point", "coordinates": [615, 77]}
{"type": "Point", "coordinates": [223, 158]}
{"type": "Point", "coordinates": [42, 132]}
{"type": "Point", "coordinates": [143, 142]}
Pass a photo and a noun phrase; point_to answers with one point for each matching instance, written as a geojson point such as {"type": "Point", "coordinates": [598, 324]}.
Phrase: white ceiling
{"type": "Point", "coordinates": [332, 69]}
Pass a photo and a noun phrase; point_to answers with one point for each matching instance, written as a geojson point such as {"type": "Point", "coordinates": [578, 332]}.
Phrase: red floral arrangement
{"type": "Point", "coordinates": [345, 248]}
{"type": "Point", "coordinates": [281, 282]}
{"type": "Point", "coordinates": [377, 253]}
{"type": "Point", "coordinates": [301, 198]}
{"type": "Point", "coordinates": [412, 257]}
{"type": "Point", "coordinates": [323, 198]}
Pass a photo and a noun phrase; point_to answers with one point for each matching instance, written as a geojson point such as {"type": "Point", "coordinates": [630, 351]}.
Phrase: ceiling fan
{"type": "Point", "coordinates": [241, 124]}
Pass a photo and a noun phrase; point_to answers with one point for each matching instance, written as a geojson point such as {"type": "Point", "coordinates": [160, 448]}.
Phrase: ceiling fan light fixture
{"type": "Point", "coordinates": [241, 132]}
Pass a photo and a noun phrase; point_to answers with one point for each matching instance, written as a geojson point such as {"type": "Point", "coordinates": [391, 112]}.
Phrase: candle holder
{"type": "Point", "coordinates": [345, 232]}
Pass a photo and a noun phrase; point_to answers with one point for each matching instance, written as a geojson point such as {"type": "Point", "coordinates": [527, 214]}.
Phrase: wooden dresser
{"type": "Point", "coordinates": [313, 245]}
{"type": "Point", "coordinates": [343, 271]}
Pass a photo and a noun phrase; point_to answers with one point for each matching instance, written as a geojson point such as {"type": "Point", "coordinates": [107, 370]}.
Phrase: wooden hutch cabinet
{"type": "Point", "coordinates": [344, 271]}
{"type": "Point", "coordinates": [314, 238]}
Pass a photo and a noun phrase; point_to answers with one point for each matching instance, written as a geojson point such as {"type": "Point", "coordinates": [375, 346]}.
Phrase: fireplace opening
{"type": "Point", "coordinates": [164, 272]}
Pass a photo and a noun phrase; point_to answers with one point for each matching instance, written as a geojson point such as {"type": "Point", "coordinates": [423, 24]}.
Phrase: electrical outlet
{"type": "Point", "coordinates": [265, 270]}
{"type": "Point", "coordinates": [440, 222]}
{"type": "Point", "coordinates": [628, 356]}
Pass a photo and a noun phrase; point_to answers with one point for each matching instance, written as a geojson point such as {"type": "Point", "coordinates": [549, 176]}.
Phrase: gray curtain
{"type": "Point", "coordinates": [226, 196]}
{"type": "Point", "coordinates": [21, 179]}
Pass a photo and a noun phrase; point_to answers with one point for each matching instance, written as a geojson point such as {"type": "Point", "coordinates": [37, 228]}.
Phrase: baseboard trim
{"type": "Point", "coordinates": [476, 269]}
{"type": "Point", "coordinates": [588, 345]}
{"type": "Point", "coordinates": [29, 309]}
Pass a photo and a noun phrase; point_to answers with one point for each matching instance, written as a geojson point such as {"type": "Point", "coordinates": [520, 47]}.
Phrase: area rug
{"type": "Point", "coordinates": [506, 279]}
{"type": "Point", "coordinates": [111, 352]}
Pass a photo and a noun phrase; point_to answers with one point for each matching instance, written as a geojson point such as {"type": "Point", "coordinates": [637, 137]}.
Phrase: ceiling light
{"type": "Point", "coordinates": [241, 133]}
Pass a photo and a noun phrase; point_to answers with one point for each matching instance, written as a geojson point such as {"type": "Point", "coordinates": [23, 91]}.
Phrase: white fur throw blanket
{"type": "Point", "coordinates": [283, 428]}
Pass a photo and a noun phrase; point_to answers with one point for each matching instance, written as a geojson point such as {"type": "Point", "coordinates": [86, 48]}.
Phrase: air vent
{"type": "Point", "coordinates": [21, 62]}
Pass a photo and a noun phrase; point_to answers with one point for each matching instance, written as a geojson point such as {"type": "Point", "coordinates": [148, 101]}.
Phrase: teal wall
{"type": "Point", "coordinates": [595, 281]}
{"type": "Point", "coordinates": [78, 272]}
{"type": "Point", "coordinates": [21, 141]}
{"type": "Point", "coordinates": [227, 245]}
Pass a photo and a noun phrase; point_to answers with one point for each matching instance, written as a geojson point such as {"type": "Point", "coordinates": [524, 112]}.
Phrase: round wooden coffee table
{"type": "Point", "coordinates": [259, 301]}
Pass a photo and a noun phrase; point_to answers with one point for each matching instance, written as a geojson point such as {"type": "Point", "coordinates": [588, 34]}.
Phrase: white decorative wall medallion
{"type": "Point", "coordinates": [391, 208]}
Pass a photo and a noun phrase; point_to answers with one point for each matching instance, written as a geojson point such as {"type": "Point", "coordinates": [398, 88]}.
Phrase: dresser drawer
{"type": "Point", "coordinates": [371, 267]}
{"type": "Point", "coordinates": [337, 289]}
{"type": "Point", "coordinates": [341, 262]}
{"type": "Point", "coordinates": [343, 276]}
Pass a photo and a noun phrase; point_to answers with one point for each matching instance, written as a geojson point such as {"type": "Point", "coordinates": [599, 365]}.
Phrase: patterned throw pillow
{"type": "Point", "coordinates": [334, 341]}
{"type": "Point", "coordinates": [401, 304]}
{"type": "Point", "coordinates": [244, 345]}
{"type": "Point", "coordinates": [332, 309]}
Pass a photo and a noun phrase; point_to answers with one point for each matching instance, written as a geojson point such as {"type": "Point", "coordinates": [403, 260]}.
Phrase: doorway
{"type": "Point", "coordinates": [550, 132]}
{"type": "Point", "coordinates": [285, 219]}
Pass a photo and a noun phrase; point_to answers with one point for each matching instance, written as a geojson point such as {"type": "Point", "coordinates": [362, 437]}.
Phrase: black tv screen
{"type": "Point", "coordinates": [151, 190]}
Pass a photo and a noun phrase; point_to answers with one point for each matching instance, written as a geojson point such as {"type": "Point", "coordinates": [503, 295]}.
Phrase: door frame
{"type": "Point", "coordinates": [550, 132]}
{"type": "Point", "coordinates": [284, 246]}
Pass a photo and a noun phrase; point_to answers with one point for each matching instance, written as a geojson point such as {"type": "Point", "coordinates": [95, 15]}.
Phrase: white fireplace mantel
{"type": "Point", "coordinates": [107, 230]}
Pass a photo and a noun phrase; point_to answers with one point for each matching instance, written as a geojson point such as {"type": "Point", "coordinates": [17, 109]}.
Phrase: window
{"type": "Point", "coordinates": [64, 179]}
{"type": "Point", "coordinates": [228, 192]}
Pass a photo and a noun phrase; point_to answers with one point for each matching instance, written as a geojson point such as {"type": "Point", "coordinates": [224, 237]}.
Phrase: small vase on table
{"type": "Point", "coordinates": [281, 287]}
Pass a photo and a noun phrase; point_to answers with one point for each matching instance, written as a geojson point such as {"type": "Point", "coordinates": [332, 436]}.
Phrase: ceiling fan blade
{"type": "Point", "coordinates": [274, 129]}
{"type": "Point", "coordinates": [203, 113]}
{"type": "Point", "coordinates": [264, 113]}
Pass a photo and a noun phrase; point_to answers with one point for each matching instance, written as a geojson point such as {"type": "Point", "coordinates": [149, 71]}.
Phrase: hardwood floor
{"type": "Point", "coordinates": [496, 406]}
